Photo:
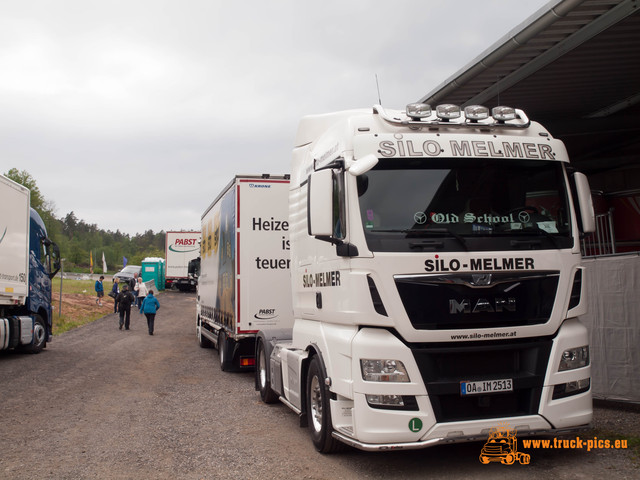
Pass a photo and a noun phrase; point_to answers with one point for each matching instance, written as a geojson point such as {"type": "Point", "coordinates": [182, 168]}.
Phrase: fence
{"type": "Point", "coordinates": [603, 240]}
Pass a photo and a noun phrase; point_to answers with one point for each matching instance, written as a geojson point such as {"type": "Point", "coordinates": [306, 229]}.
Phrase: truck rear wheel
{"type": "Point", "coordinates": [39, 336]}
{"type": "Point", "coordinates": [223, 352]}
{"type": "Point", "coordinates": [319, 410]}
{"type": "Point", "coordinates": [262, 375]}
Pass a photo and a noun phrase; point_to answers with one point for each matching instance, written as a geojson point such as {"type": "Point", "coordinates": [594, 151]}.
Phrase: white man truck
{"type": "Point", "coordinates": [436, 280]}
{"type": "Point", "coordinates": [243, 285]}
{"type": "Point", "coordinates": [180, 249]}
{"type": "Point", "coordinates": [28, 262]}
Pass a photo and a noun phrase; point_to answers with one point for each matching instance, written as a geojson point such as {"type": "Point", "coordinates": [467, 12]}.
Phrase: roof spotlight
{"type": "Point", "coordinates": [417, 111]}
{"type": "Point", "coordinates": [476, 112]}
{"type": "Point", "coordinates": [502, 114]}
{"type": "Point", "coordinates": [448, 111]}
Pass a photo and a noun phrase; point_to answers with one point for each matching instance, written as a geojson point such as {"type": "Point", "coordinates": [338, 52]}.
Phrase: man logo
{"type": "Point", "coordinates": [482, 305]}
{"type": "Point", "coordinates": [481, 279]}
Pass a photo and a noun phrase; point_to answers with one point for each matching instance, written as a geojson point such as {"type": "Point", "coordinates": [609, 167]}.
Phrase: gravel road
{"type": "Point", "coordinates": [110, 404]}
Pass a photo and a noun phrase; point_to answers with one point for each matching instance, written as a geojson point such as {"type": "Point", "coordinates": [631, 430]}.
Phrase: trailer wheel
{"type": "Point", "coordinates": [39, 336]}
{"type": "Point", "coordinates": [223, 352]}
{"type": "Point", "coordinates": [318, 409]}
{"type": "Point", "coordinates": [262, 375]}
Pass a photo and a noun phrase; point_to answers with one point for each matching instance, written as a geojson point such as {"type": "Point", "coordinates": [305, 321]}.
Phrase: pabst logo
{"type": "Point", "coordinates": [184, 245]}
{"type": "Point", "coordinates": [185, 241]}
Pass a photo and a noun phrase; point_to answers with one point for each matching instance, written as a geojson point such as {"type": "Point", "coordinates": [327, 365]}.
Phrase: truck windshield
{"type": "Point", "coordinates": [464, 204]}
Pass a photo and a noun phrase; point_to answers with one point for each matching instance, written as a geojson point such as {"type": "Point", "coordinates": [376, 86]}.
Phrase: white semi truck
{"type": "Point", "coordinates": [28, 262]}
{"type": "Point", "coordinates": [180, 248]}
{"type": "Point", "coordinates": [436, 280]}
{"type": "Point", "coordinates": [243, 283]}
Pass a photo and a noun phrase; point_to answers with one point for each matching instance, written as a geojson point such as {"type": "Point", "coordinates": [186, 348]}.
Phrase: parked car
{"type": "Point", "coordinates": [126, 274]}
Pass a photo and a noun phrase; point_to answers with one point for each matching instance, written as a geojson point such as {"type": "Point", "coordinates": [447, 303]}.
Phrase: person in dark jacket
{"type": "Point", "coordinates": [115, 290]}
{"type": "Point", "coordinates": [132, 288]}
{"type": "Point", "coordinates": [125, 298]}
{"type": "Point", "coordinates": [149, 307]}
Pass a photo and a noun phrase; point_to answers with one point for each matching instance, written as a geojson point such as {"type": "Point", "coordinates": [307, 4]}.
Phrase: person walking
{"type": "Point", "coordinates": [125, 298]}
{"type": "Point", "coordinates": [133, 283]}
{"type": "Point", "coordinates": [149, 307]}
{"type": "Point", "coordinates": [141, 291]}
{"type": "Point", "coordinates": [99, 290]}
{"type": "Point", "coordinates": [115, 290]}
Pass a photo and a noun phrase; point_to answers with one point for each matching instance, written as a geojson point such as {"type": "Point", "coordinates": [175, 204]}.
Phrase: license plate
{"type": "Point", "coordinates": [486, 386]}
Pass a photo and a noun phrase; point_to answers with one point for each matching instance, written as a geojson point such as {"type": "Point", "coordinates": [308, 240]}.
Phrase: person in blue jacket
{"type": "Point", "coordinates": [115, 290]}
{"type": "Point", "coordinates": [99, 290]}
{"type": "Point", "coordinates": [149, 307]}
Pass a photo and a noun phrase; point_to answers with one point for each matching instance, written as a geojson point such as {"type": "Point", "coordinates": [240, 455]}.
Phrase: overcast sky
{"type": "Point", "coordinates": [135, 114]}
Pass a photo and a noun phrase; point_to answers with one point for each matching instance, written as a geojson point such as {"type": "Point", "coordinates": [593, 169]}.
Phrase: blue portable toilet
{"type": "Point", "coordinates": [153, 269]}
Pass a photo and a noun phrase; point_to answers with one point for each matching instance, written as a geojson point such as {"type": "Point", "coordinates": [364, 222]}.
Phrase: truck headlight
{"type": "Point", "coordinates": [383, 370]}
{"type": "Point", "coordinates": [574, 358]}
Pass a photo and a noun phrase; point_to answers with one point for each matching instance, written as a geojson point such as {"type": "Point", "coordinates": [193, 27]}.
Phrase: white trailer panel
{"type": "Point", "coordinates": [14, 242]}
{"type": "Point", "coordinates": [244, 283]}
{"type": "Point", "coordinates": [263, 266]}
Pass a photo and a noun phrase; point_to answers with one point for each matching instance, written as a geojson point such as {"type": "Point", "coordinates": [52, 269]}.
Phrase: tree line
{"type": "Point", "coordinates": [77, 239]}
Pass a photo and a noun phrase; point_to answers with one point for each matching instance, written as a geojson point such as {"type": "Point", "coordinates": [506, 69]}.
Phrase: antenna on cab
{"type": "Point", "coordinates": [378, 87]}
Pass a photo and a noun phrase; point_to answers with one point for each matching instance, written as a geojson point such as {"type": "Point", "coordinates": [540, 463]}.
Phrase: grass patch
{"type": "Point", "coordinates": [85, 287]}
{"type": "Point", "coordinates": [64, 323]}
{"type": "Point", "coordinates": [78, 304]}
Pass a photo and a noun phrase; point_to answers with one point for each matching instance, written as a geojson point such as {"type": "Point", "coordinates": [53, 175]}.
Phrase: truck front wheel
{"type": "Point", "coordinates": [39, 335]}
{"type": "Point", "coordinates": [319, 410]}
{"type": "Point", "coordinates": [262, 373]}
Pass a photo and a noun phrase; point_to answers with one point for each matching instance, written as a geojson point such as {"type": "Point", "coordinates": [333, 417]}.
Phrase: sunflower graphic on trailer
{"type": "Point", "coordinates": [502, 446]}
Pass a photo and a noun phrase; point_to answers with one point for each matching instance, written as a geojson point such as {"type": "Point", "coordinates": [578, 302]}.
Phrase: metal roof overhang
{"type": "Point", "coordinates": [574, 66]}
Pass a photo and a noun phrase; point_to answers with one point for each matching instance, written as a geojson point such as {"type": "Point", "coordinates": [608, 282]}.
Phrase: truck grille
{"type": "Point", "coordinates": [465, 301]}
{"type": "Point", "coordinates": [444, 366]}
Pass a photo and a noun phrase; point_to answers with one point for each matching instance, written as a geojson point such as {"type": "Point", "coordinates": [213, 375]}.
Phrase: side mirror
{"type": "Point", "coordinates": [585, 203]}
{"type": "Point", "coordinates": [320, 204]}
{"type": "Point", "coordinates": [55, 253]}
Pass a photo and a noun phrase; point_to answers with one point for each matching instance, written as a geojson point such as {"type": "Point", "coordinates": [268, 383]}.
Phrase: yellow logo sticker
{"type": "Point", "coordinates": [502, 446]}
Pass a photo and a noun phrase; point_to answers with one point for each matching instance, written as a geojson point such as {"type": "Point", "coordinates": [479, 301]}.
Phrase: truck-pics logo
{"type": "Point", "coordinates": [502, 446]}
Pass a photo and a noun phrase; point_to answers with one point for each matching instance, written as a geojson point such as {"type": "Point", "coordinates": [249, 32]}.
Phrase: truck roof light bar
{"type": "Point", "coordinates": [473, 116]}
